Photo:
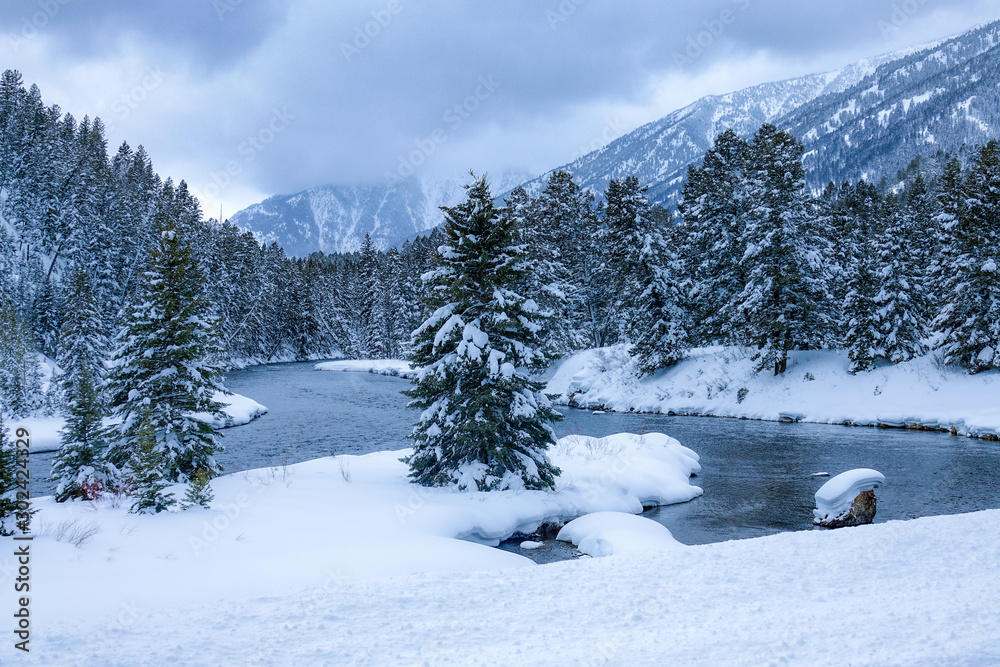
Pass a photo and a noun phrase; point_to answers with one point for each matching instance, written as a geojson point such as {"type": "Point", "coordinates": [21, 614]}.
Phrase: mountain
{"type": "Point", "coordinates": [867, 120]}
{"type": "Point", "coordinates": [935, 99]}
{"type": "Point", "coordinates": [333, 218]}
{"type": "Point", "coordinates": [659, 152]}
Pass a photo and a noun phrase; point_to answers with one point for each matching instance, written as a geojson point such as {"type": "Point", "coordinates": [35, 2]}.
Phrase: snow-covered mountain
{"type": "Point", "coordinates": [333, 218]}
{"type": "Point", "coordinates": [659, 152]}
{"type": "Point", "coordinates": [868, 119]}
{"type": "Point", "coordinates": [936, 98]}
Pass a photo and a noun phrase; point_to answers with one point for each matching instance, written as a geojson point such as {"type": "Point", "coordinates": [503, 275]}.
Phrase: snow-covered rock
{"type": "Point", "coordinates": [841, 496]}
{"type": "Point", "coordinates": [607, 533]}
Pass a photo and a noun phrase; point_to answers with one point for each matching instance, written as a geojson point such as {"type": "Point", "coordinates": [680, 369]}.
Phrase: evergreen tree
{"type": "Point", "coordinates": [648, 290]}
{"type": "Point", "coordinates": [713, 208]}
{"type": "Point", "coordinates": [20, 380]}
{"type": "Point", "coordinates": [8, 481]}
{"type": "Point", "coordinates": [165, 365]}
{"type": "Point", "coordinates": [79, 461]}
{"type": "Point", "coordinates": [485, 423]}
{"type": "Point", "coordinates": [147, 471]}
{"type": "Point", "coordinates": [969, 322]}
{"type": "Point", "coordinates": [785, 304]}
{"type": "Point", "coordinates": [199, 491]}
{"type": "Point", "coordinates": [554, 229]}
{"type": "Point", "coordinates": [898, 327]}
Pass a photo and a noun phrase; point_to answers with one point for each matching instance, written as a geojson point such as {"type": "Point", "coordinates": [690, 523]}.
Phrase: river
{"type": "Point", "coordinates": [758, 477]}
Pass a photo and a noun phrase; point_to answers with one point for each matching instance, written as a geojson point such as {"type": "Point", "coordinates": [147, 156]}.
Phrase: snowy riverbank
{"type": "Point", "coordinates": [340, 561]}
{"type": "Point", "coordinates": [45, 437]}
{"type": "Point", "coordinates": [722, 382]}
{"type": "Point", "coordinates": [392, 367]}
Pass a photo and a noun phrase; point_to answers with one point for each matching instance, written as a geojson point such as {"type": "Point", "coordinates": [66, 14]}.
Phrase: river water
{"type": "Point", "coordinates": [758, 477]}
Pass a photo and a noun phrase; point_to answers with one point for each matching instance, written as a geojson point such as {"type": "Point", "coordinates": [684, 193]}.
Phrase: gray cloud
{"type": "Point", "coordinates": [361, 87]}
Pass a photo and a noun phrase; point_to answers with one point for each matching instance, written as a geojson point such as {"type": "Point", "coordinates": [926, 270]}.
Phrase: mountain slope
{"type": "Point", "coordinates": [937, 98]}
{"type": "Point", "coordinates": [659, 152]}
{"type": "Point", "coordinates": [333, 218]}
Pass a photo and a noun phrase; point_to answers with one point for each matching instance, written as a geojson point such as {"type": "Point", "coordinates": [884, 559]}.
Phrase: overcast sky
{"type": "Point", "coordinates": [249, 98]}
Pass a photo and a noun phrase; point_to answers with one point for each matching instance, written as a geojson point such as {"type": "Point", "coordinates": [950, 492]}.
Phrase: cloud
{"type": "Point", "coordinates": [362, 86]}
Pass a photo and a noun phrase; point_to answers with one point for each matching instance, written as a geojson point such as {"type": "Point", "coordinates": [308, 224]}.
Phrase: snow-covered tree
{"type": "Point", "coordinates": [785, 303]}
{"type": "Point", "coordinates": [648, 286]}
{"type": "Point", "coordinates": [8, 481]}
{"type": "Point", "coordinates": [485, 423]}
{"type": "Point", "coordinates": [713, 211]}
{"type": "Point", "coordinates": [969, 322]}
{"type": "Point", "coordinates": [899, 329]}
{"type": "Point", "coordinates": [79, 462]}
{"type": "Point", "coordinates": [165, 368]}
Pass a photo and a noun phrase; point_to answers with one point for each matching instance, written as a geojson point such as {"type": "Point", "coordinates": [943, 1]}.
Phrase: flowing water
{"type": "Point", "coordinates": [758, 477]}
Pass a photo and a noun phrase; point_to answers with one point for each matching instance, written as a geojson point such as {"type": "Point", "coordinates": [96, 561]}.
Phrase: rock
{"type": "Point", "coordinates": [834, 505]}
{"type": "Point", "coordinates": [861, 511]}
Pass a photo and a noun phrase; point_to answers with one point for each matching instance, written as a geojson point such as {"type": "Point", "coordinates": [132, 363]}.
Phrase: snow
{"type": "Point", "coordinates": [607, 533]}
{"type": "Point", "coordinates": [720, 381]}
{"type": "Point", "coordinates": [380, 366]}
{"type": "Point", "coordinates": [300, 567]}
{"type": "Point", "coordinates": [45, 436]}
{"type": "Point", "coordinates": [836, 496]}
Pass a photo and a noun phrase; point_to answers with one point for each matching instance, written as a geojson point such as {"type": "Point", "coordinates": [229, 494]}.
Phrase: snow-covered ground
{"type": "Point", "coordinates": [394, 367]}
{"type": "Point", "coordinates": [342, 561]}
{"type": "Point", "coordinates": [45, 430]}
{"type": "Point", "coordinates": [282, 529]}
{"type": "Point", "coordinates": [816, 388]}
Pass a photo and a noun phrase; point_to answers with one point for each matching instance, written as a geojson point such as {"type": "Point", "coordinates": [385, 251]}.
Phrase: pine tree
{"type": "Point", "coordinates": [649, 294]}
{"type": "Point", "coordinates": [969, 322]}
{"type": "Point", "coordinates": [199, 491]}
{"type": "Point", "coordinates": [713, 208]}
{"type": "Point", "coordinates": [785, 304]}
{"type": "Point", "coordinates": [898, 327]}
{"type": "Point", "coordinates": [79, 461]}
{"type": "Point", "coordinates": [165, 364]}
{"type": "Point", "coordinates": [8, 481]}
{"type": "Point", "coordinates": [20, 380]}
{"type": "Point", "coordinates": [147, 471]}
{"type": "Point", "coordinates": [485, 424]}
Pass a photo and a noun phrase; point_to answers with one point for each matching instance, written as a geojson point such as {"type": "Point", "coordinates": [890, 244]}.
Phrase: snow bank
{"type": "Point", "coordinates": [901, 593]}
{"type": "Point", "coordinates": [836, 496]}
{"type": "Point", "coordinates": [393, 367]}
{"type": "Point", "coordinates": [817, 387]}
{"type": "Point", "coordinates": [607, 533]}
{"type": "Point", "coordinates": [45, 436]}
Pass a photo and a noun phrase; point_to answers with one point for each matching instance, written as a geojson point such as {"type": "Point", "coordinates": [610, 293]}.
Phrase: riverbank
{"type": "Point", "coordinates": [45, 436]}
{"type": "Point", "coordinates": [817, 387]}
{"type": "Point", "coordinates": [340, 561]}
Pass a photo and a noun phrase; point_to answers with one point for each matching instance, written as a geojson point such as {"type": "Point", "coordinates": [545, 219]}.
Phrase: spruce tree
{"type": "Point", "coordinates": [485, 424]}
{"type": "Point", "coordinates": [199, 491]}
{"type": "Point", "coordinates": [713, 210]}
{"type": "Point", "coordinates": [898, 326]}
{"type": "Point", "coordinates": [147, 471]}
{"type": "Point", "coordinates": [80, 459]}
{"type": "Point", "coordinates": [969, 322]}
{"type": "Point", "coordinates": [166, 365]}
{"type": "Point", "coordinates": [8, 481]}
{"type": "Point", "coordinates": [785, 303]}
{"type": "Point", "coordinates": [648, 286]}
